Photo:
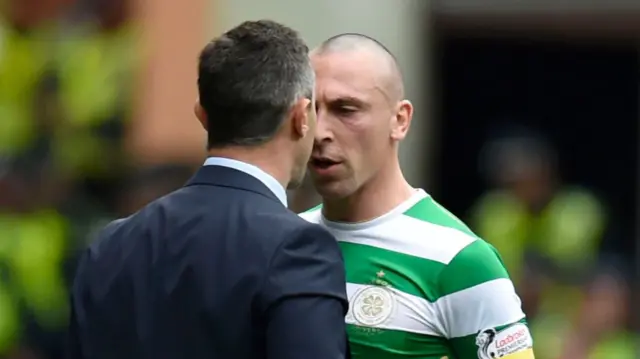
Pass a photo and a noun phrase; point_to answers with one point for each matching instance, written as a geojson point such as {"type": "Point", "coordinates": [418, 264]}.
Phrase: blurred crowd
{"type": "Point", "coordinates": [553, 237]}
{"type": "Point", "coordinates": [67, 70]}
{"type": "Point", "coordinates": [66, 90]}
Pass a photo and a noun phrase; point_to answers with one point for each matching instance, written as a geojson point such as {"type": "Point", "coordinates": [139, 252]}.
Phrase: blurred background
{"type": "Point", "coordinates": [526, 126]}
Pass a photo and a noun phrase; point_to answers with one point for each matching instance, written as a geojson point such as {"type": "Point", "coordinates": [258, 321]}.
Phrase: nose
{"type": "Point", "coordinates": [324, 132]}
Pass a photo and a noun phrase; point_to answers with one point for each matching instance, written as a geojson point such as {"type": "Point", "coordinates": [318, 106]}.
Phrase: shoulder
{"type": "Point", "coordinates": [468, 260]}
{"type": "Point", "coordinates": [109, 235]}
{"type": "Point", "coordinates": [158, 216]}
{"type": "Point", "coordinates": [476, 264]}
{"type": "Point", "coordinates": [104, 251]}
{"type": "Point", "coordinates": [435, 232]}
{"type": "Point", "coordinates": [430, 211]}
{"type": "Point", "coordinates": [477, 253]}
{"type": "Point", "coordinates": [284, 229]}
{"type": "Point", "coordinates": [300, 228]}
{"type": "Point", "coordinates": [306, 245]}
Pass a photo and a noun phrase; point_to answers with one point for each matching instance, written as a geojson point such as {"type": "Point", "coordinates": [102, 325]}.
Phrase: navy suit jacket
{"type": "Point", "coordinates": [217, 269]}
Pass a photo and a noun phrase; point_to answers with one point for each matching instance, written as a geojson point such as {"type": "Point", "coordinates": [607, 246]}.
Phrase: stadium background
{"type": "Point", "coordinates": [517, 104]}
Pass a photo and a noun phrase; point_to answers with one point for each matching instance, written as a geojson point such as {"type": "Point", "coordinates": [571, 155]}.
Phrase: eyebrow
{"type": "Point", "coordinates": [348, 100]}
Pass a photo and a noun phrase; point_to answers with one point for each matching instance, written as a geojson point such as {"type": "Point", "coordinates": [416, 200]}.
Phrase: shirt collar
{"type": "Point", "coordinates": [268, 180]}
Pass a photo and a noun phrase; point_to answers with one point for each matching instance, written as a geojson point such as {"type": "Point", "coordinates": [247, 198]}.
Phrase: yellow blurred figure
{"type": "Point", "coordinates": [96, 66]}
{"type": "Point", "coordinates": [549, 235]}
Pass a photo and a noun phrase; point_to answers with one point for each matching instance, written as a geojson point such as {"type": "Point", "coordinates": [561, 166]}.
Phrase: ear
{"type": "Point", "coordinates": [301, 122]}
{"type": "Point", "coordinates": [402, 120]}
{"type": "Point", "coordinates": [201, 114]}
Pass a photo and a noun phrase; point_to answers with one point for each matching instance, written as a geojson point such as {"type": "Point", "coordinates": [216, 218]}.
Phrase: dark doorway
{"type": "Point", "coordinates": [583, 97]}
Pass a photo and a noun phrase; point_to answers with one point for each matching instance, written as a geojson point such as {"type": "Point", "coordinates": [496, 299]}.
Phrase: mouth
{"type": "Point", "coordinates": [323, 163]}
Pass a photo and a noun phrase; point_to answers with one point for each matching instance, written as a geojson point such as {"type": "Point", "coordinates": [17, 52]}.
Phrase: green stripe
{"type": "Point", "coordinates": [477, 263]}
{"type": "Point", "coordinates": [430, 211]}
{"type": "Point", "coordinates": [412, 275]}
{"type": "Point", "coordinates": [318, 207]}
{"type": "Point", "coordinates": [372, 343]}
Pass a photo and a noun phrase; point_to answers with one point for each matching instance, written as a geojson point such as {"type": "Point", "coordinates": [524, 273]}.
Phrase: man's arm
{"type": "Point", "coordinates": [305, 298]}
{"type": "Point", "coordinates": [481, 312]}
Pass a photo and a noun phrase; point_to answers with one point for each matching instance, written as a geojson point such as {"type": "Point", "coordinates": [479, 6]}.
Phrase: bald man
{"type": "Point", "coordinates": [420, 283]}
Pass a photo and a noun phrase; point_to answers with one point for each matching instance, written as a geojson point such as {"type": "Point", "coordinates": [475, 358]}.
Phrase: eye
{"type": "Point", "coordinates": [347, 109]}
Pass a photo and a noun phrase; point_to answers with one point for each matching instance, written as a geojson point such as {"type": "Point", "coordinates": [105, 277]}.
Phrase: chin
{"type": "Point", "coordinates": [333, 190]}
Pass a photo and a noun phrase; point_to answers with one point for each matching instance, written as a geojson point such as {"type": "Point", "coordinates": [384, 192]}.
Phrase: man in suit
{"type": "Point", "coordinates": [221, 268]}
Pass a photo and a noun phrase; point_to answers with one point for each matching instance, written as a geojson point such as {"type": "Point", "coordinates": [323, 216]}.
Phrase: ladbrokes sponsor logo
{"type": "Point", "coordinates": [497, 344]}
{"type": "Point", "coordinates": [515, 339]}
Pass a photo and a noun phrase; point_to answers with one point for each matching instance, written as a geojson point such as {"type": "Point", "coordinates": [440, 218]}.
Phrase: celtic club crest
{"type": "Point", "coordinates": [373, 305]}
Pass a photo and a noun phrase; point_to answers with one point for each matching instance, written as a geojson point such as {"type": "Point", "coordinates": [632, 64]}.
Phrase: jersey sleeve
{"type": "Point", "coordinates": [481, 314]}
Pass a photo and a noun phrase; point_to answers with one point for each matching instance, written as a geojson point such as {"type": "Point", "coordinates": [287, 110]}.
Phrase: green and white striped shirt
{"type": "Point", "coordinates": [422, 285]}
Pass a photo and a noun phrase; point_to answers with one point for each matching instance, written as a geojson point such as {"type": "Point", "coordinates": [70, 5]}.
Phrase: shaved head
{"type": "Point", "coordinates": [389, 68]}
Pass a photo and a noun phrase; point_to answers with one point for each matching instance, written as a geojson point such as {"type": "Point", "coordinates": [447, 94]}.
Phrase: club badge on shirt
{"type": "Point", "coordinates": [372, 306]}
{"type": "Point", "coordinates": [504, 343]}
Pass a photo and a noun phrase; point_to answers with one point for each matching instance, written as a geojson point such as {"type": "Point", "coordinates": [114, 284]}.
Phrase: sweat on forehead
{"type": "Point", "coordinates": [356, 42]}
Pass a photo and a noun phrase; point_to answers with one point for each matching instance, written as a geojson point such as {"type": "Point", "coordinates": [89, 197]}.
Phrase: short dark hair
{"type": "Point", "coordinates": [249, 78]}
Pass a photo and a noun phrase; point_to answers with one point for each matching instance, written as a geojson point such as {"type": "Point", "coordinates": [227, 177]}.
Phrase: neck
{"type": "Point", "coordinates": [260, 156]}
{"type": "Point", "coordinates": [387, 190]}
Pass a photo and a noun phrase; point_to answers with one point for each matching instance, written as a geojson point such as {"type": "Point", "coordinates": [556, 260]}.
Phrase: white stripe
{"type": "Point", "coordinates": [487, 305]}
{"type": "Point", "coordinates": [409, 313]}
{"type": "Point", "coordinates": [312, 216]}
{"type": "Point", "coordinates": [410, 236]}
{"type": "Point", "coordinates": [401, 233]}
